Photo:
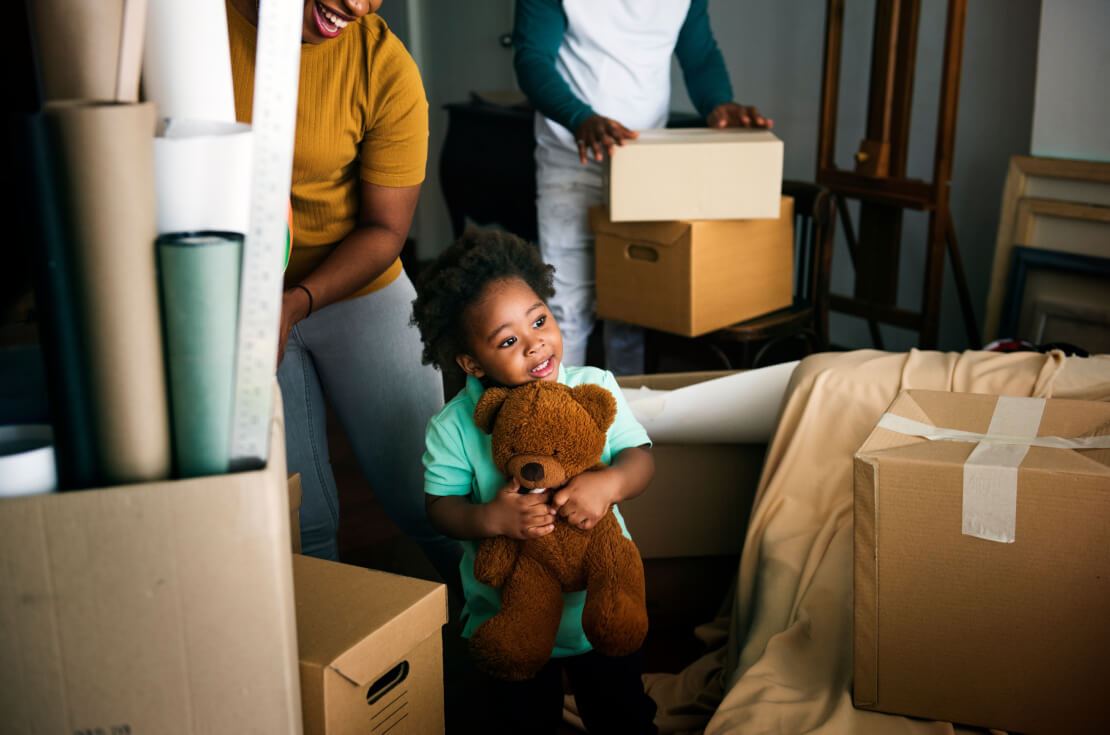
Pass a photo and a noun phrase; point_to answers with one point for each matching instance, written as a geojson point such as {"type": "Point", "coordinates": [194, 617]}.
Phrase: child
{"type": "Point", "coordinates": [481, 307]}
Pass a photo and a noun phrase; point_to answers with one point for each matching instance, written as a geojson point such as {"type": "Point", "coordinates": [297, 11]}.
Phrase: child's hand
{"type": "Point", "coordinates": [597, 133]}
{"type": "Point", "coordinates": [732, 115]}
{"type": "Point", "coordinates": [520, 516]}
{"type": "Point", "coordinates": [586, 499]}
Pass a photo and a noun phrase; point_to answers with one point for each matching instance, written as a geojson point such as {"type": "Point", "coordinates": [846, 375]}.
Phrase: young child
{"type": "Point", "coordinates": [482, 308]}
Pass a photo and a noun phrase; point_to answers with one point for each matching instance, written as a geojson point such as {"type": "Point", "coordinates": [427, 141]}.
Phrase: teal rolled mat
{"type": "Point", "coordinates": [200, 301]}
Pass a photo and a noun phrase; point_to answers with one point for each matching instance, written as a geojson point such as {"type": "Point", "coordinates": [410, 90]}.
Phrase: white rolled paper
{"type": "Point", "coordinates": [187, 60]}
{"type": "Point", "coordinates": [202, 173]}
{"type": "Point", "coordinates": [27, 460]}
{"type": "Point", "coordinates": [736, 409]}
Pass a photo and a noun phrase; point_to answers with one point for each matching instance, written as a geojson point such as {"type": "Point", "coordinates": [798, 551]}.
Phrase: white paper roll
{"type": "Point", "coordinates": [736, 409]}
{"type": "Point", "coordinates": [27, 460]}
{"type": "Point", "coordinates": [202, 173]}
{"type": "Point", "coordinates": [187, 60]}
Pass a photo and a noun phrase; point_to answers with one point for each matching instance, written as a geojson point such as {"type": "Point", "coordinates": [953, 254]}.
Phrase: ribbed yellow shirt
{"type": "Point", "coordinates": [361, 116]}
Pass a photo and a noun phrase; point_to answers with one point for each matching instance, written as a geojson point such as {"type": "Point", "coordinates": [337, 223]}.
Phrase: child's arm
{"type": "Point", "coordinates": [586, 498]}
{"type": "Point", "coordinates": [509, 514]}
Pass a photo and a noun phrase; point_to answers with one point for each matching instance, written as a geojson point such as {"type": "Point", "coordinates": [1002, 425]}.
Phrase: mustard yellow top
{"type": "Point", "coordinates": [361, 116]}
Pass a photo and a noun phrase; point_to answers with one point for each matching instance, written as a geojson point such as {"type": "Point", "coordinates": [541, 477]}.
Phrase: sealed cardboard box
{"type": "Point", "coordinates": [700, 497]}
{"type": "Point", "coordinates": [982, 568]}
{"type": "Point", "coordinates": [163, 607]}
{"type": "Point", "coordinates": [370, 649]}
{"type": "Point", "coordinates": [690, 278]}
{"type": "Point", "coordinates": [696, 174]}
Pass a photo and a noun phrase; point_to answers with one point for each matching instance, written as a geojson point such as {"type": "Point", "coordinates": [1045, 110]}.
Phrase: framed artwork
{"type": "Point", "coordinates": [1077, 317]}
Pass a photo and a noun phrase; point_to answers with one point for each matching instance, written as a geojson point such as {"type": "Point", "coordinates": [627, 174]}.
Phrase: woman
{"type": "Point", "coordinates": [358, 162]}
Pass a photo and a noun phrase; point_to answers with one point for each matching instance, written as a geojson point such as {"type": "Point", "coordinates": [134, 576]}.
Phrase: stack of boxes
{"type": "Point", "coordinates": [696, 235]}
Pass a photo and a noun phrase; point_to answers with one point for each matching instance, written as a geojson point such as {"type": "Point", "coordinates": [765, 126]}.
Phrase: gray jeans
{"type": "Point", "coordinates": [363, 355]}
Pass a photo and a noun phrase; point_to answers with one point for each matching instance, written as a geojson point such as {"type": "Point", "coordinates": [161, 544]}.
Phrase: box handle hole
{"type": "Point", "coordinates": [387, 681]}
{"type": "Point", "coordinates": [643, 252]}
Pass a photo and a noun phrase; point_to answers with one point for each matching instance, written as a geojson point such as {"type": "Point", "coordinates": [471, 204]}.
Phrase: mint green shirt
{"type": "Point", "coordinates": [459, 461]}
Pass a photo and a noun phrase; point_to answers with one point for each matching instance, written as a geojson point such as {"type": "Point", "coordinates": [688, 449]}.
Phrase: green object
{"type": "Point", "coordinates": [200, 301]}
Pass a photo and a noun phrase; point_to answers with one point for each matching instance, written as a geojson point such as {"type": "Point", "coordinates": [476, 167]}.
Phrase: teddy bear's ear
{"type": "Point", "coordinates": [485, 413]}
{"type": "Point", "coordinates": [598, 402]}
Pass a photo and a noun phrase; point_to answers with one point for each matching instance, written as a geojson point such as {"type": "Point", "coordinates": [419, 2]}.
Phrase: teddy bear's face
{"type": "Point", "coordinates": [546, 433]}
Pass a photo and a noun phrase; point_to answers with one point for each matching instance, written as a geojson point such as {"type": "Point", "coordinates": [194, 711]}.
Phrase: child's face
{"type": "Point", "coordinates": [512, 335]}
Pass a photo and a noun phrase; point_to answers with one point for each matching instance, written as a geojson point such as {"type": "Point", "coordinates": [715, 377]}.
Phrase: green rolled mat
{"type": "Point", "coordinates": [58, 314]}
{"type": "Point", "coordinates": [200, 301]}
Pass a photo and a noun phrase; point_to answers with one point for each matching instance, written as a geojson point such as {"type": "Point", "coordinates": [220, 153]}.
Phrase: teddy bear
{"type": "Point", "coordinates": [544, 434]}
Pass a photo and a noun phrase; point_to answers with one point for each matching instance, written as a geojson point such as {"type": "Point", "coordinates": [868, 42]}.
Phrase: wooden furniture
{"type": "Point", "coordinates": [747, 344]}
{"type": "Point", "coordinates": [879, 180]}
{"type": "Point", "coordinates": [1048, 204]}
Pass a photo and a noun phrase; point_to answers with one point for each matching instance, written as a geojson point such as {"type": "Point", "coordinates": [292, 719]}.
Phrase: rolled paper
{"type": "Point", "coordinates": [105, 172]}
{"type": "Point", "coordinates": [202, 174]}
{"type": "Point", "coordinates": [187, 60]}
{"type": "Point", "coordinates": [88, 50]}
{"type": "Point", "coordinates": [26, 460]}
{"type": "Point", "coordinates": [200, 300]}
{"type": "Point", "coordinates": [59, 314]}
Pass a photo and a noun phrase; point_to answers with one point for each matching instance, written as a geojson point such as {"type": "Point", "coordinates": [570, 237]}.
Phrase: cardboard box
{"type": "Point", "coordinates": [295, 511]}
{"type": "Point", "coordinates": [371, 651]}
{"type": "Point", "coordinates": [162, 607]}
{"type": "Point", "coordinates": [700, 497]}
{"type": "Point", "coordinates": [696, 174]}
{"type": "Point", "coordinates": [690, 278]}
{"type": "Point", "coordinates": [982, 567]}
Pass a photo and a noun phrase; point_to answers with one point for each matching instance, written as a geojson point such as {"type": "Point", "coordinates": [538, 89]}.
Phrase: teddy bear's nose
{"type": "Point", "coordinates": [532, 472]}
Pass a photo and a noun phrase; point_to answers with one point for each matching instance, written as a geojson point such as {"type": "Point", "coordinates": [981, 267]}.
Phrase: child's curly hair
{"type": "Point", "coordinates": [459, 276]}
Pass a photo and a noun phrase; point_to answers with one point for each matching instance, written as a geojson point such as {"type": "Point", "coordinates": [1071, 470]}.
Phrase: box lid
{"type": "Point", "coordinates": [973, 413]}
{"type": "Point", "coordinates": [358, 621]}
{"type": "Point", "coordinates": [707, 136]}
{"type": "Point", "coordinates": [660, 233]}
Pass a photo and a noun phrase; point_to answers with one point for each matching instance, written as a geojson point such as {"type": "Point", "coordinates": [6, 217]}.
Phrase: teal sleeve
{"type": "Point", "coordinates": [703, 67]}
{"type": "Point", "coordinates": [537, 34]}
{"type": "Point", "coordinates": [446, 468]}
{"type": "Point", "coordinates": [626, 431]}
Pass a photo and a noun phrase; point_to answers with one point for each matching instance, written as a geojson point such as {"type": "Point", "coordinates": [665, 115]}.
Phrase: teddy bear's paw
{"type": "Point", "coordinates": [615, 625]}
{"type": "Point", "coordinates": [503, 656]}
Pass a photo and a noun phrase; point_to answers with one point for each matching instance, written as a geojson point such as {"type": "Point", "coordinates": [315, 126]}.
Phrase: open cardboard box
{"type": "Point", "coordinates": [162, 607]}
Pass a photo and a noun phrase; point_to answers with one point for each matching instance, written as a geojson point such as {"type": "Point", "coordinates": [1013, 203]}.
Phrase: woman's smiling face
{"type": "Point", "coordinates": [513, 337]}
{"type": "Point", "coordinates": [326, 19]}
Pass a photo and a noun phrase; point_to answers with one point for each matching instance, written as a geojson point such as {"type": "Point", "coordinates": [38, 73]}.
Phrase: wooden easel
{"type": "Point", "coordinates": [879, 181]}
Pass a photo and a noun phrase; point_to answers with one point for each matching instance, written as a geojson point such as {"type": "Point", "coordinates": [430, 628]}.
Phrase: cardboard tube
{"type": "Point", "coordinates": [200, 301]}
{"type": "Point", "coordinates": [187, 60]}
{"type": "Point", "coordinates": [105, 164]}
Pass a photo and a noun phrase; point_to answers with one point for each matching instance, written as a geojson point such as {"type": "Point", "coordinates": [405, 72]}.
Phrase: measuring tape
{"type": "Point", "coordinates": [274, 118]}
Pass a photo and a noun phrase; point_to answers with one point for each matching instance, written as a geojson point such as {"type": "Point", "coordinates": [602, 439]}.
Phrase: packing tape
{"type": "Point", "coordinates": [991, 470]}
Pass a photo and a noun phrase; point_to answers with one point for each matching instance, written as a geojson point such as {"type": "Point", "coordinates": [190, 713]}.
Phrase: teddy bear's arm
{"type": "Point", "coordinates": [496, 557]}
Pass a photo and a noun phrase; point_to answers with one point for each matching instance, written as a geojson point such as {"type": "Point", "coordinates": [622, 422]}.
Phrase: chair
{"type": "Point", "coordinates": [807, 318]}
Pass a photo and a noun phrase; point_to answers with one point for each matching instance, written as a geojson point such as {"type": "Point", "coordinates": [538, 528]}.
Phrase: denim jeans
{"type": "Point", "coordinates": [363, 355]}
{"type": "Point", "coordinates": [565, 191]}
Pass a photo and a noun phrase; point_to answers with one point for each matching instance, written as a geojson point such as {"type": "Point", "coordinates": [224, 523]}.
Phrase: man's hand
{"type": "Point", "coordinates": [519, 516]}
{"type": "Point", "coordinates": [586, 499]}
{"type": "Point", "coordinates": [732, 115]}
{"type": "Point", "coordinates": [294, 307]}
{"type": "Point", "coordinates": [597, 133]}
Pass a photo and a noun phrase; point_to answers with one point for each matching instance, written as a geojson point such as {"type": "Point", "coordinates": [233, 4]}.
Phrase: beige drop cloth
{"type": "Point", "coordinates": [780, 659]}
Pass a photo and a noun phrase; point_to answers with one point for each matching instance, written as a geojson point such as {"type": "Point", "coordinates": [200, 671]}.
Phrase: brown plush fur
{"type": "Point", "coordinates": [562, 431]}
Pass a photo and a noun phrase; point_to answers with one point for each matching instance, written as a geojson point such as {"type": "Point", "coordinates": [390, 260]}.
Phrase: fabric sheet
{"type": "Point", "coordinates": [779, 656]}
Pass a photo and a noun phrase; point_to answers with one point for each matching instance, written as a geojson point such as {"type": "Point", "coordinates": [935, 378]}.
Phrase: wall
{"type": "Point", "coordinates": [1073, 75]}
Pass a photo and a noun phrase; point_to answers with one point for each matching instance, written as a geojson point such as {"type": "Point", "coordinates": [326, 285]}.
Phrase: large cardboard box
{"type": "Point", "coordinates": [696, 174]}
{"type": "Point", "coordinates": [690, 278]}
{"type": "Point", "coordinates": [982, 564]}
{"type": "Point", "coordinates": [700, 497]}
{"type": "Point", "coordinates": [162, 607]}
{"type": "Point", "coordinates": [370, 648]}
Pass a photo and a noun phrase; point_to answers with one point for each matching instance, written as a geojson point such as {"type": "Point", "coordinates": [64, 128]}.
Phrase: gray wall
{"type": "Point", "coordinates": [774, 49]}
{"type": "Point", "coordinates": [1071, 118]}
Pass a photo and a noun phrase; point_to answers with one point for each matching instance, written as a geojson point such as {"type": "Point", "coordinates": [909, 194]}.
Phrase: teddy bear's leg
{"type": "Point", "coordinates": [516, 642]}
{"type": "Point", "coordinates": [495, 559]}
{"type": "Point", "coordinates": [615, 615]}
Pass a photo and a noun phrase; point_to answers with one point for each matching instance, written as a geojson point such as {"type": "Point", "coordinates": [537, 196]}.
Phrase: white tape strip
{"type": "Point", "coordinates": [991, 470]}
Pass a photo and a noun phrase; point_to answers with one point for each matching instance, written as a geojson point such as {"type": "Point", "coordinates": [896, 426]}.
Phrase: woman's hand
{"type": "Point", "coordinates": [519, 516]}
{"type": "Point", "coordinates": [586, 499]}
{"type": "Point", "coordinates": [732, 115]}
{"type": "Point", "coordinates": [597, 133]}
{"type": "Point", "coordinates": [294, 307]}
